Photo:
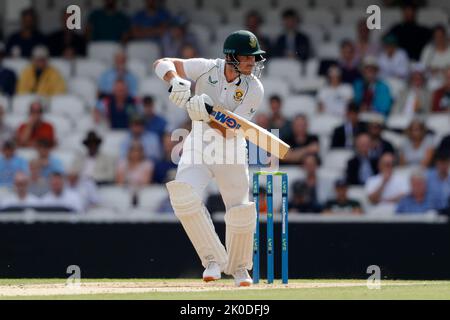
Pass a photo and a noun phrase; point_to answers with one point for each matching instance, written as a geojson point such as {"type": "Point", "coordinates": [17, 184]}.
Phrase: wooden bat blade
{"type": "Point", "coordinates": [251, 131]}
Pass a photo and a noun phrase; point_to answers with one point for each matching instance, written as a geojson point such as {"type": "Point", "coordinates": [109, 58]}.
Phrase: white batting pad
{"type": "Point", "coordinates": [240, 225]}
{"type": "Point", "coordinates": [197, 223]}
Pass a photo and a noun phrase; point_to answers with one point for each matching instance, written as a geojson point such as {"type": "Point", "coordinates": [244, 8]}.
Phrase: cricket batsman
{"type": "Point", "coordinates": [232, 82]}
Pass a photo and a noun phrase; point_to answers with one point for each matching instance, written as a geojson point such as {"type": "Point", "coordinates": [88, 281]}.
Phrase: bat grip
{"type": "Point", "coordinates": [209, 108]}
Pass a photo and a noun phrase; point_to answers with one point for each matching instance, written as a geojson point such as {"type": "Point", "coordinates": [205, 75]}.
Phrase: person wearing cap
{"type": "Point", "coordinates": [59, 196]}
{"type": "Point", "coordinates": [335, 96]}
{"type": "Point", "coordinates": [342, 204]}
{"type": "Point", "coordinates": [393, 61]}
{"type": "Point", "coordinates": [22, 42]}
{"type": "Point", "coordinates": [371, 92]}
{"type": "Point", "coordinates": [176, 36]}
{"type": "Point", "coordinates": [118, 71]}
{"type": "Point", "coordinates": [35, 128]}
{"type": "Point", "coordinates": [149, 140]}
{"type": "Point", "coordinates": [21, 198]}
{"type": "Point", "coordinates": [375, 126]}
{"type": "Point", "coordinates": [292, 43]}
{"type": "Point", "coordinates": [436, 55]}
{"type": "Point", "coordinates": [40, 77]}
{"type": "Point", "coordinates": [151, 22]}
{"type": "Point", "coordinates": [93, 163]}
{"type": "Point", "coordinates": [344, 136]}
{"type": "Point", "coordinates": [10, 164]}
{"type": "Point", "coordinates": [8, 78]}
{"type": "Point", "coordinates": [416, 98]}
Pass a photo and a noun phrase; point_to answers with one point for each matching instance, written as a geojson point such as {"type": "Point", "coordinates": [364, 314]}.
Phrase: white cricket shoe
{"type": "Point", "coordinates": [242, 278]}
{"type": "Point", "coordinates": [212, 272]}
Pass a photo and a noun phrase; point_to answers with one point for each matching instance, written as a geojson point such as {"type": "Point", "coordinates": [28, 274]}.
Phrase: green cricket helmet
{"type": "Point", "coordinates": [243, 43]}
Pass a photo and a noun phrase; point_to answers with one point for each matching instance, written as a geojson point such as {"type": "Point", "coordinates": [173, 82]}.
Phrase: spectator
{"type": "Point", "coordinates": [10, 164]}
{"type": "Point", "coordinates": [419, 200]}
{"type": "Point", "coordinates": [65, 42]}
{"type": "Point", "coordinates": [444, 146]}
{"type": "Point", "coordinates": [118, 72]}
{"type": "Point", "coordinates": [441, 97]}
{"type": "Point", "coordinates": [108, 24]}
{"type": "Point", "coordinates": [418, 147]}
{"type": "Point", "coordinates": [21, 198]}
{"type": "Point", "coordinates": [40, 77]}
{"type": "Point", "coordinates": [342, 204]}
{"type": "Point", "coordinates": [277, 119]}
{"type": "Point", "coordinates": [153, 122]}
{"type": "Point", "coordinates": [372, 93]}
{"type": "Point", "coordinates": [292, 43]}
{"type": "Point", "coordinates": [85, 187]}
{"type": "Point", "coordinates": [38, 184]}
{"type": "Point", "coordinates": [300, 201]}
{"type": "Point", "coordinates": [348, 63]}
{"type": "Point", "coordinates": [6, 132]}
{"type": "Point", "coordinates": [344, 135]}
{"type": "Point", "coordinates": [48, 162]}
{"type": "Point", "coordinates": [61, 197]}
{"type": "Point", "coordinates": [436, 55]}
{"type": "Point", "coordinates": [22, 43]}
{"type": "Point", "coordinates": [149, 140]}
{"type": "Point", "coordinates": [302, 143]}
{"type": "Point", "coordinates": [253, 22]}
{"type": "Point", "coordinates": [386, 188]}
{"type": "Point", "coordinates": [393, 61]}
{"type": "Point", "coordinates": [117, 108]}
{"type": "Point", "coordinates": [135, 171]}
{"type": "Point", "coordinates": [94, 164]}
{"type": "Point", "coordinates": [364, 46]}
{"type": "Point", "coordinates": [334, 98]}
{"type": "Point", "coordinates": [411, 36]}
{"type": "Point", "coordinates": [438, 181]}
{"type": "Point", "coordinates": [361, 167]}
{"type": "Point", "coordinates": [151, 22]}
{"type": "Point", "coordinates": [165, 166]}
{"type": "Point", "coordinates": [35, 128]}
{"type": "Point", "coordinates": [375, 127]}
{"type": "Point", "coordinates": [318, 188]}
{"type": "Point", "coordinates": [176, 37]}
{"type": "Point", "coordinates": [188, 51]}
{"type": "Point", "coordinates": [416, 98]}
{"type": "Point", "coordinates": [7, 77]}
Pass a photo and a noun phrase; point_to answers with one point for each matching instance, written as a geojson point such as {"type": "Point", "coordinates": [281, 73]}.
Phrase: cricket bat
{"type": "Point", "coordinates": [250, 131]}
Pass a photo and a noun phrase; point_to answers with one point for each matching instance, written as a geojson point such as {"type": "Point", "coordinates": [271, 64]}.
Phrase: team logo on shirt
{"type": "Point", "coordinates": [212, 81]}
{"type": "Point", "coordinates": [238, 95]}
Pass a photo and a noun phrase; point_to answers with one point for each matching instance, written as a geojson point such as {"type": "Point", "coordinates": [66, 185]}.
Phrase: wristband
{"type": "Point", "coordinates": [163, 67]}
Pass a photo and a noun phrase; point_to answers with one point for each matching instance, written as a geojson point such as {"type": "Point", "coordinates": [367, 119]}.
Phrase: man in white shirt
{"type": "Point", "coordinates": [393, 61]}
{"type": "Point", "coordinates": [21, 198]}
{"type": "Point", "coordinates": [386, 188]}
{"type": "Point", "coordinates": [232, 83]}
{"type": "Point", "coordinates": [60, 196]}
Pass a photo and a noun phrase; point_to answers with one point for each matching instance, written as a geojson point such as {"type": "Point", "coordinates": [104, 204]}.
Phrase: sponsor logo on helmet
{"type": "Point", "coordinates": [238, 94]}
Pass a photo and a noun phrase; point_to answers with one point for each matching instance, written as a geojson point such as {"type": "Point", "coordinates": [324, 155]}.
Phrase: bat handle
{"type": "Point", "coordinates": [209, 108]}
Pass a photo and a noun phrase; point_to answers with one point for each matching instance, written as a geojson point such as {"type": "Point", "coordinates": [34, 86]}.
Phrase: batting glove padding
{"type": "Point", "coordinates": [181, 91]}
{"type": "Point", "coordinates": [197, 109]}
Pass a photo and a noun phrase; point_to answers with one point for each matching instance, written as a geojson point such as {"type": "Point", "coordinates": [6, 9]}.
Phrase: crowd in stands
{"type": "Point", "coordinates": [359, 90]}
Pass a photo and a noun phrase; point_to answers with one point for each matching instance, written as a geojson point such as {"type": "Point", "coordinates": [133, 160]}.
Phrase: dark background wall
{"type": "Point", "coordinates": [162, 250]}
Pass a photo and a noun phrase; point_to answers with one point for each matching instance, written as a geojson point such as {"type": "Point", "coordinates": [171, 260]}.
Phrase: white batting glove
{"type": "Point", "coordinates": [181, 91]}
{"type": "Point", "coordinates": [197, 109]}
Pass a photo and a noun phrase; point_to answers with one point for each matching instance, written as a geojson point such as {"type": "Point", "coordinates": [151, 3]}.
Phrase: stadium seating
{"type": "Point", "coordinates": [67, 106]}
{"type": "Point", "coordinates": [145, 51]}
{"type": "Point", "coordinates": [16, 64]}
{"type": "Point", "coordinates": [324, 124]}
{"type": "Point", "coordinates": [103, 51]}
{"type": "Point", "coordinates": [4, 102]}
{"type": "Point", "coordinates": [115, 197]}
{"type": "Point", "coordinates": [63, 66]}
{"type": "Point", "coordinates": [300, 104]}
{"type": "Point", "coordinates": [89, 68]}
{"type": "Point", "coordinates": [290, 69]}
{"type": "Point", "coordinates": [84, 88]}
{"type": "Point", "coordinates": [337, 159]}
{"type": "Point", "coordinates": [21, 103]}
